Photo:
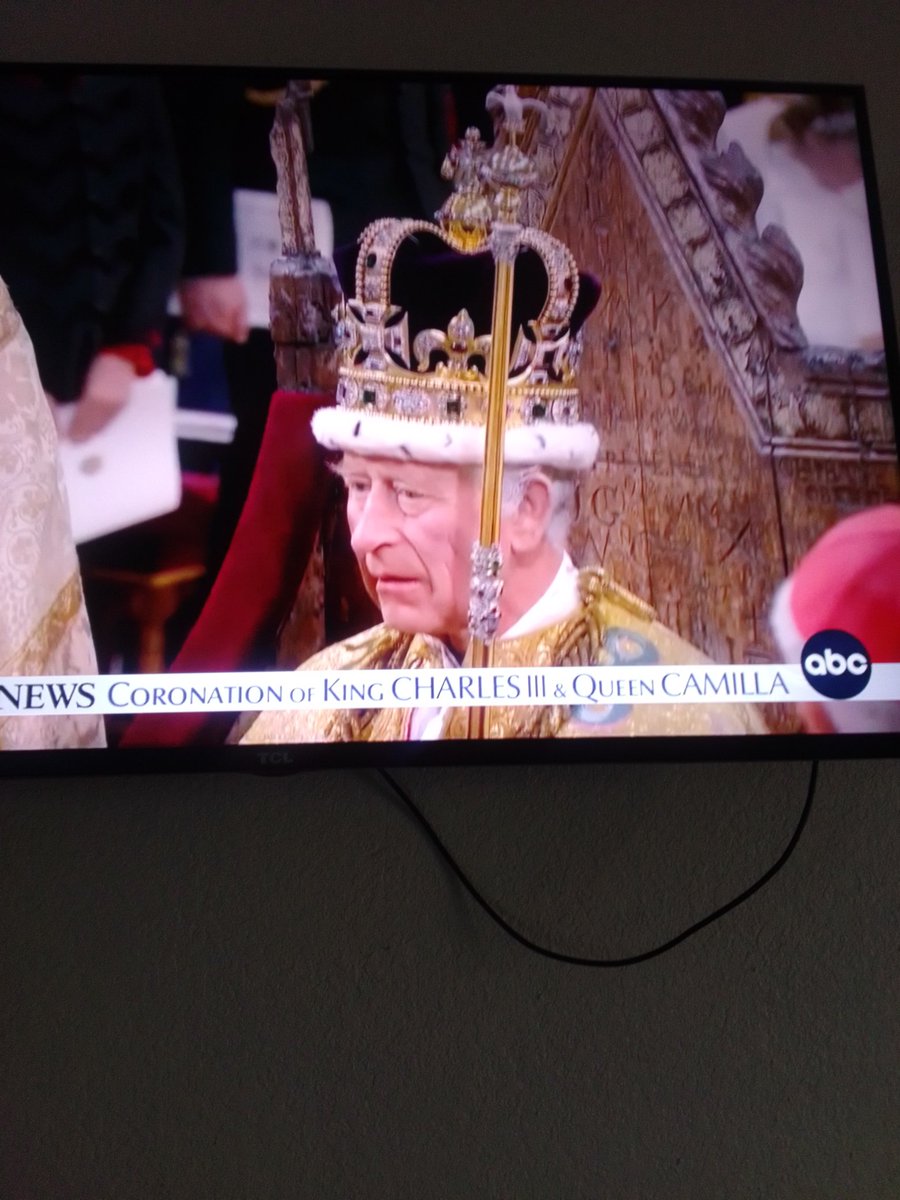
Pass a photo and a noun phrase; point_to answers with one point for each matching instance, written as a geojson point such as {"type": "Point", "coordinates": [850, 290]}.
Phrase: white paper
{"type": "Point", "coordinates": [258, 235]}
{"type": "Point", "coordinates": [201, 425]}
{"type": "Point", "coordinates": [129, 471]}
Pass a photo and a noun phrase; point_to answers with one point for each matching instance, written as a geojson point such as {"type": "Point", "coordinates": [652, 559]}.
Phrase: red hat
{"type": "Point", "coordinates": [849, 580]}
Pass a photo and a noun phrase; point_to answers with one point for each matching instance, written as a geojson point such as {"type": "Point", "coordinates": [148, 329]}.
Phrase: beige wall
{"type": "Point", "coordinates": [262, 988]}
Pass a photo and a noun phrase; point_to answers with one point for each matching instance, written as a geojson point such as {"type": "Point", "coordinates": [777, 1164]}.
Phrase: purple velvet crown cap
{"type": "Point", "coordinates": [431, 283]}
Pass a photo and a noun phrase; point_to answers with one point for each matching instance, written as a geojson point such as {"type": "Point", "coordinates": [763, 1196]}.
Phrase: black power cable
{"type": "Point", "coordinates": [575, 959]}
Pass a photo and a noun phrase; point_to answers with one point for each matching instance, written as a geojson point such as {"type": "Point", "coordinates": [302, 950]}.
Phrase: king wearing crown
{"type": "Point", "coordinates": [458, 433]}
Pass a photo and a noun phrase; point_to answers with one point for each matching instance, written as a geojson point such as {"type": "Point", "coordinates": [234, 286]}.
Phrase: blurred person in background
{"type": "Point", "coordinates": [806, 148]}
{"type": "Point", "coordinates": [91, 220]}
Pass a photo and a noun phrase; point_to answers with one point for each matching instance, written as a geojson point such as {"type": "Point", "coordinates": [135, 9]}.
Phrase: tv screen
{"type": "Point", "coordinates": [360, 418]}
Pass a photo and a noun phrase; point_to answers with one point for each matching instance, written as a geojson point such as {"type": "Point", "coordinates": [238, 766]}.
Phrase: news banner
{"type": "Point", "coordinates": [818, 676]}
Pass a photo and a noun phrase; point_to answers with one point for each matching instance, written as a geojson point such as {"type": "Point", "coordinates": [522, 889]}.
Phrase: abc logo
{"type": "Point", "coordinates": [836, 664]}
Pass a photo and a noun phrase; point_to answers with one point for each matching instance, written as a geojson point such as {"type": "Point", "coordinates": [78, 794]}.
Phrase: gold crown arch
{"type": "Point", "coordinates": [532, 386]}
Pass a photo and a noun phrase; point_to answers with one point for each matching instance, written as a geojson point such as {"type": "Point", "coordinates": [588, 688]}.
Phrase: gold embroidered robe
{"type": "Point", "coordinates": [43, 624]}
{"type": "Point", "coordinates": [610, 626]}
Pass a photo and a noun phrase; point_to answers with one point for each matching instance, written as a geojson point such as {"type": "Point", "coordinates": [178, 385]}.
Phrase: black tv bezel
{"type": "Point", "coordinates": [288, 758]}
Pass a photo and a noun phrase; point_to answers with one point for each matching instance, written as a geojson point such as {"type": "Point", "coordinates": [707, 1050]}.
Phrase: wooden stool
{"type": "Point", "coordinates": [137, 580]}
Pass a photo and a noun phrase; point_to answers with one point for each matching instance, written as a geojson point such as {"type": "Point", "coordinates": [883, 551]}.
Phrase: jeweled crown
{"type": "Point", "coordinates": [444, 379]}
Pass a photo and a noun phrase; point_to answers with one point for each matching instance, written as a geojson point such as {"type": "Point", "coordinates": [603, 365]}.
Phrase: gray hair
{"type": "Point", "coordinates": [562, 497]}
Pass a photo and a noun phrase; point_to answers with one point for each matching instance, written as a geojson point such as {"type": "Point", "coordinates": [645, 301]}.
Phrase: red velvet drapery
{"type": "Point", "coordinates": [262, 570]}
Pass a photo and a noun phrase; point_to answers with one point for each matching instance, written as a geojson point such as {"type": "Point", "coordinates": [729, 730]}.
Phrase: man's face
{"type": "Point", "coordinates": [412, 526]}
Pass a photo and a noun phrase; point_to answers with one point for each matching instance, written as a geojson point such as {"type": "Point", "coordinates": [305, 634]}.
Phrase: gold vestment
{"type": "Point", "coordinates": [43, 624]}
{"type": "Point", "coordinates": [609, 627]}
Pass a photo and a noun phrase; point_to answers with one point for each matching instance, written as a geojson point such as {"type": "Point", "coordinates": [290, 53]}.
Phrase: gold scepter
{"type": "Point", "coordinates": [508, 170]}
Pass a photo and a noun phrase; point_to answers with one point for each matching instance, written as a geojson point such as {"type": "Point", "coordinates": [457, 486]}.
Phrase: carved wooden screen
{"type": "Point", "coordinates": [728, 446]}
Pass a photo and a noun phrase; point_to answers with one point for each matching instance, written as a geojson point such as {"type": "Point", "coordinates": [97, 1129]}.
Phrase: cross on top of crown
{"type": "Point", "coordinates": [463, 162]}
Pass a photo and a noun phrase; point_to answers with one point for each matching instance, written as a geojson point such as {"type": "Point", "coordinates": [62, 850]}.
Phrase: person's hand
{"type": "Point", "coordinates": [215, 304]}
{"type": "Point", "coordinates": [104, 394]}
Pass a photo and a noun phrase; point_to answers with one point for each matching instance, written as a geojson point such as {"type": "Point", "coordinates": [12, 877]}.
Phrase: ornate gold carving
{"type": "Point", "coordinates": [797, 400]}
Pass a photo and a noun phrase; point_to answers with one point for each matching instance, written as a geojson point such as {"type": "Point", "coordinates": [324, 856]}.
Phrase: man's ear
{"type": "Point", "coordinates": [530, 520]}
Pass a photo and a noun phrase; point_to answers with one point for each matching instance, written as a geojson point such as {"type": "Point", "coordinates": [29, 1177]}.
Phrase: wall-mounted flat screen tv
{"type": "Point", "coordinates": [369, 418]}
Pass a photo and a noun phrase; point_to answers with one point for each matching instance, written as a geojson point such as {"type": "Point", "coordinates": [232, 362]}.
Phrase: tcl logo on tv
{"type": "Point", "coordinates": [836, 664]}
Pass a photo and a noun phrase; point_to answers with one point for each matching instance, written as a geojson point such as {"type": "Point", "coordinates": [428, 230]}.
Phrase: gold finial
{"type": "Point", "coordinates": [509, 170]}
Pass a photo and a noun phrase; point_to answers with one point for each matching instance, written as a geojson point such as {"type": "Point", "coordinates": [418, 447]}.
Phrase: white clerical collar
{"type": "Point", "coordinates": [558, 602]}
